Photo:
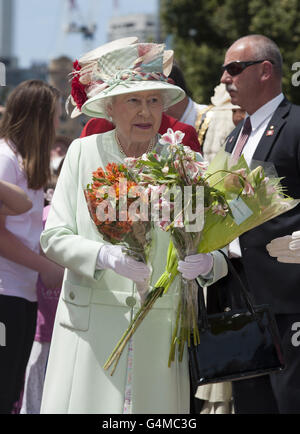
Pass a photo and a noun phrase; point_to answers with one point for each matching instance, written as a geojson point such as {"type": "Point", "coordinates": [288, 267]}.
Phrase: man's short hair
{"type": "Point", "coordinates": [265, 48]}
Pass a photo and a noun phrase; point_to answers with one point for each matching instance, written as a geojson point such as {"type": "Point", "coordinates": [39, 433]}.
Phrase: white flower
{"type": "Point", "coordinates": [172, 137]}
{"type": "Point", "coordinates": [248, 189]}
{"type": "Point", "coordinates": [162, 224]}
{"type": "Point", "coordinates": [130, 162]}
{"type": "Point", "coordinates": [219, 210]}
{"type": "Point", "coordinates": [189, 153]}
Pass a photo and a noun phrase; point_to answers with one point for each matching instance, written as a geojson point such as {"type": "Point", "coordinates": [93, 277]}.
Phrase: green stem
{"type": "Point", "coordinates": [174, 339]}
{"type": "Point", "coordinates": [184, 172]}
{"type": "Point", "coordinates": [143, 311]}
{"type": "Point", "coordinates": [183, 332]}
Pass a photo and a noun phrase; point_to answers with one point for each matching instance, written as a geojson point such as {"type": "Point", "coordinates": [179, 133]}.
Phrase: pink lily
{"type": "Point", "coordinates": [172, 137]}
{"type": "Point", "coordinates": [219, 210]}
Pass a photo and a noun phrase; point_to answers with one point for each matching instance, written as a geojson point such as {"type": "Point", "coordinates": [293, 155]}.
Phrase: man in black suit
{"type": "Point", "coordinates": [252, 73]}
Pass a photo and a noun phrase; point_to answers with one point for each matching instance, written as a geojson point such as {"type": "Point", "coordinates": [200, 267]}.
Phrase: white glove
{"type": "Point", "coordinates": [112, 257]}
{"type": "Point", "coordinates": [196, 265]}
{"type": "Point", "coordinates": [286, 249]}
{"type": "Point", "coordinates": [143, 288]}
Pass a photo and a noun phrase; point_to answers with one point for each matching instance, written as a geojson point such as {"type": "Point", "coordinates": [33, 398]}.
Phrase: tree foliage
{"type": "Point", "coordinates": [202, 30]}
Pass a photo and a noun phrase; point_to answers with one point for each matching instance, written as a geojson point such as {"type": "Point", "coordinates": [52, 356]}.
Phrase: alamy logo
{"type": "Point", "coordinates": [296, 336]}
{"type": "Point", "coordinates": [2, 335]}
{"type": "Point", "coordinates": [2, 74]}
{"type": "Point", "coordinates": [187, 206]}
{"type": "Point", "coordinates": [296, 76]}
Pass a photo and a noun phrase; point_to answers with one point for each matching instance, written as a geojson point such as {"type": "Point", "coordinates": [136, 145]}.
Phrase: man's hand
{"type": "Point", "coordinates": [286, 249]}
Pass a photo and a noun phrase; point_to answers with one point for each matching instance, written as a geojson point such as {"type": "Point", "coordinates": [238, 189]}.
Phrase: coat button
{"type": "Point", "coordinates": [130, 301]}
{"type": "Point", "coordinates": [72, 296]}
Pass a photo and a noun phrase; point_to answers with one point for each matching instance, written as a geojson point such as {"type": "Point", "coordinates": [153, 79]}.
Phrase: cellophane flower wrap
{"type": "Point", "coordinates": [254, 196]}
{"type": "Point", "coordinates": [180, 196]}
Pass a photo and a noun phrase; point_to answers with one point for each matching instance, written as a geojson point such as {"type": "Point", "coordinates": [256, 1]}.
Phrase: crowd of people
{"type": "Point", "coordinates": [66, 295]}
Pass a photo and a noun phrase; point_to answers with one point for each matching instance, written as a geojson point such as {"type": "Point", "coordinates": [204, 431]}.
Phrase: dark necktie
{"type": "Point", "coordinates": [243, 139]}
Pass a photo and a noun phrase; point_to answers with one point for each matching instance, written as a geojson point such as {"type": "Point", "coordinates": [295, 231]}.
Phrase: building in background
{"type": "Point", "coordinates": [6, 33]}
{"type": "Point", "coordinates": [144, 26]}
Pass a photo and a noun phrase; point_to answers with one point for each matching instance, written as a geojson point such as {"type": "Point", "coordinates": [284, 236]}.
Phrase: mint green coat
{"type": "Point", "coordinates": [93, 309]}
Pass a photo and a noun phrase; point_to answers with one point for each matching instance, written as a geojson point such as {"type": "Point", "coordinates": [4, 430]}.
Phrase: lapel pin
{"type": "Point", "coordinates": [270, 132]}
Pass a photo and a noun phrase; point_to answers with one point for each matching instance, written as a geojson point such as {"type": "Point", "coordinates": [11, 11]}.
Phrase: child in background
{"type": "Point", "coordinates": [27, 133]}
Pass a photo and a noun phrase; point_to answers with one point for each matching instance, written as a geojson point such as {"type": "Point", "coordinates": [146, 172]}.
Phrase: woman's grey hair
{"type": "Point", "coordinates": [105, 104]}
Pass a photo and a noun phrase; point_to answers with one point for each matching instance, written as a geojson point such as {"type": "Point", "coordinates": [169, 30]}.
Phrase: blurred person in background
{"type": "Point", "coordinates": [58, 152]}
{"type": "Point", "coordinates": [27, 132]}
{"type": "Point", "coordinates": [187, 110]}
{"type": "Point", "coordinates": [217, 121]}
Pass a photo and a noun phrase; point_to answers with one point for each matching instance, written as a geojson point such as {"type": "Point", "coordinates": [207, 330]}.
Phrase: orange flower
{"type": "Point", "coordinates": [111, 176]}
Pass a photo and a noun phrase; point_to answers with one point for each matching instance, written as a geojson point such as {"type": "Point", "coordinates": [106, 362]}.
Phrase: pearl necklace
{"type": "Point", "coordinates": [149, 149]}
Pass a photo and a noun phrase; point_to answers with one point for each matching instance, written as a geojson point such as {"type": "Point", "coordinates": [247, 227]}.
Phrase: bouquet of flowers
{"type": "Point", "coordinates": [180, 195]}
{"type": "Point", "coordinates": [111, 200]}
{"type": "Point", "coordinates": [204, 209]}
{"type": "Point", "coordinates": [119, 208]}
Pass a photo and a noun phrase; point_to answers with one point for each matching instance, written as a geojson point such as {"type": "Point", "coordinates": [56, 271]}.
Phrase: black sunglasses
{"type": "Point", "coordinates": [235, 68]}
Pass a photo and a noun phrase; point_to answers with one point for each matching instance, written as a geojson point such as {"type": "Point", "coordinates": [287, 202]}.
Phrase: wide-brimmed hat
{"type": "Point", "coordinates": [82, 85]}
{"type": "Point", "coordinates": [121, 67]}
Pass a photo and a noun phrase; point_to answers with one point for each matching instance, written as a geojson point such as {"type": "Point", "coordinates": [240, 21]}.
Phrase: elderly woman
{"type": "Point", "coordinates": [99, 294]}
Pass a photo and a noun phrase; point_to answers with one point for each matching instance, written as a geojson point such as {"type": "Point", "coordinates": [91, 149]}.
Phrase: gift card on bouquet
{"type": "Point", "coordinates": [240, 210]}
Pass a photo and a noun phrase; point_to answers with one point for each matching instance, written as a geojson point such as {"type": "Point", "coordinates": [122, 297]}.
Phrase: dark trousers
{"type": "Point", "coordinates": [17, 330]}
{"type": "Point", "coordinates": [275, 393]}
{"type": "Point", "coordinates": [278, 393]}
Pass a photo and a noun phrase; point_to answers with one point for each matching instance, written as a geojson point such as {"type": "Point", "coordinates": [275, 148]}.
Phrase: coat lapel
{"type": "Point", "coordinates": [232, 138]}
{"type": "Point", "coordinates": [271, 132]}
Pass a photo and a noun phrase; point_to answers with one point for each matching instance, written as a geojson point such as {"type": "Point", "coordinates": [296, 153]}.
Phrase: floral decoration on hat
{"type": "Point", "coordinates": [120, 70]}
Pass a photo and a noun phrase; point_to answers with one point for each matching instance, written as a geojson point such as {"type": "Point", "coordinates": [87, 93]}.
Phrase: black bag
{"type": "Point", "coordinates": [237, 344]}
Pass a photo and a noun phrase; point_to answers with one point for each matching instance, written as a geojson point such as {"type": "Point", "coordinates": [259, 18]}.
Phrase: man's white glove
{"type": "Point", "coordinates": [286, 249]}
{"type": "Point", "coordinates": [112, 257]}
{"type": "Point", "coordinates": [196, 265]}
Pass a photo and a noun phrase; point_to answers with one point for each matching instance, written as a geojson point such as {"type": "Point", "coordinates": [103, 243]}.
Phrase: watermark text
{"type": "Point", "coordinates": [2, 335]}
{"type": "Point", "coordinates": [183, 206]}
{"type": "Point", "coordinates": [296, 336]}
{"type": "Point", "coordinates": [2, 74]}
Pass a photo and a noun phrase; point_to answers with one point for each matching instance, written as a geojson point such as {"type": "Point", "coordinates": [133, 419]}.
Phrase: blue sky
{"type": "Point", "coordinates": [39, 34]}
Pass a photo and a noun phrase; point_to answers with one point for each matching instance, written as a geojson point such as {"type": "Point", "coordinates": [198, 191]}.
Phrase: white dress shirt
{"type": "Point", "coordinates": [259, 122]}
